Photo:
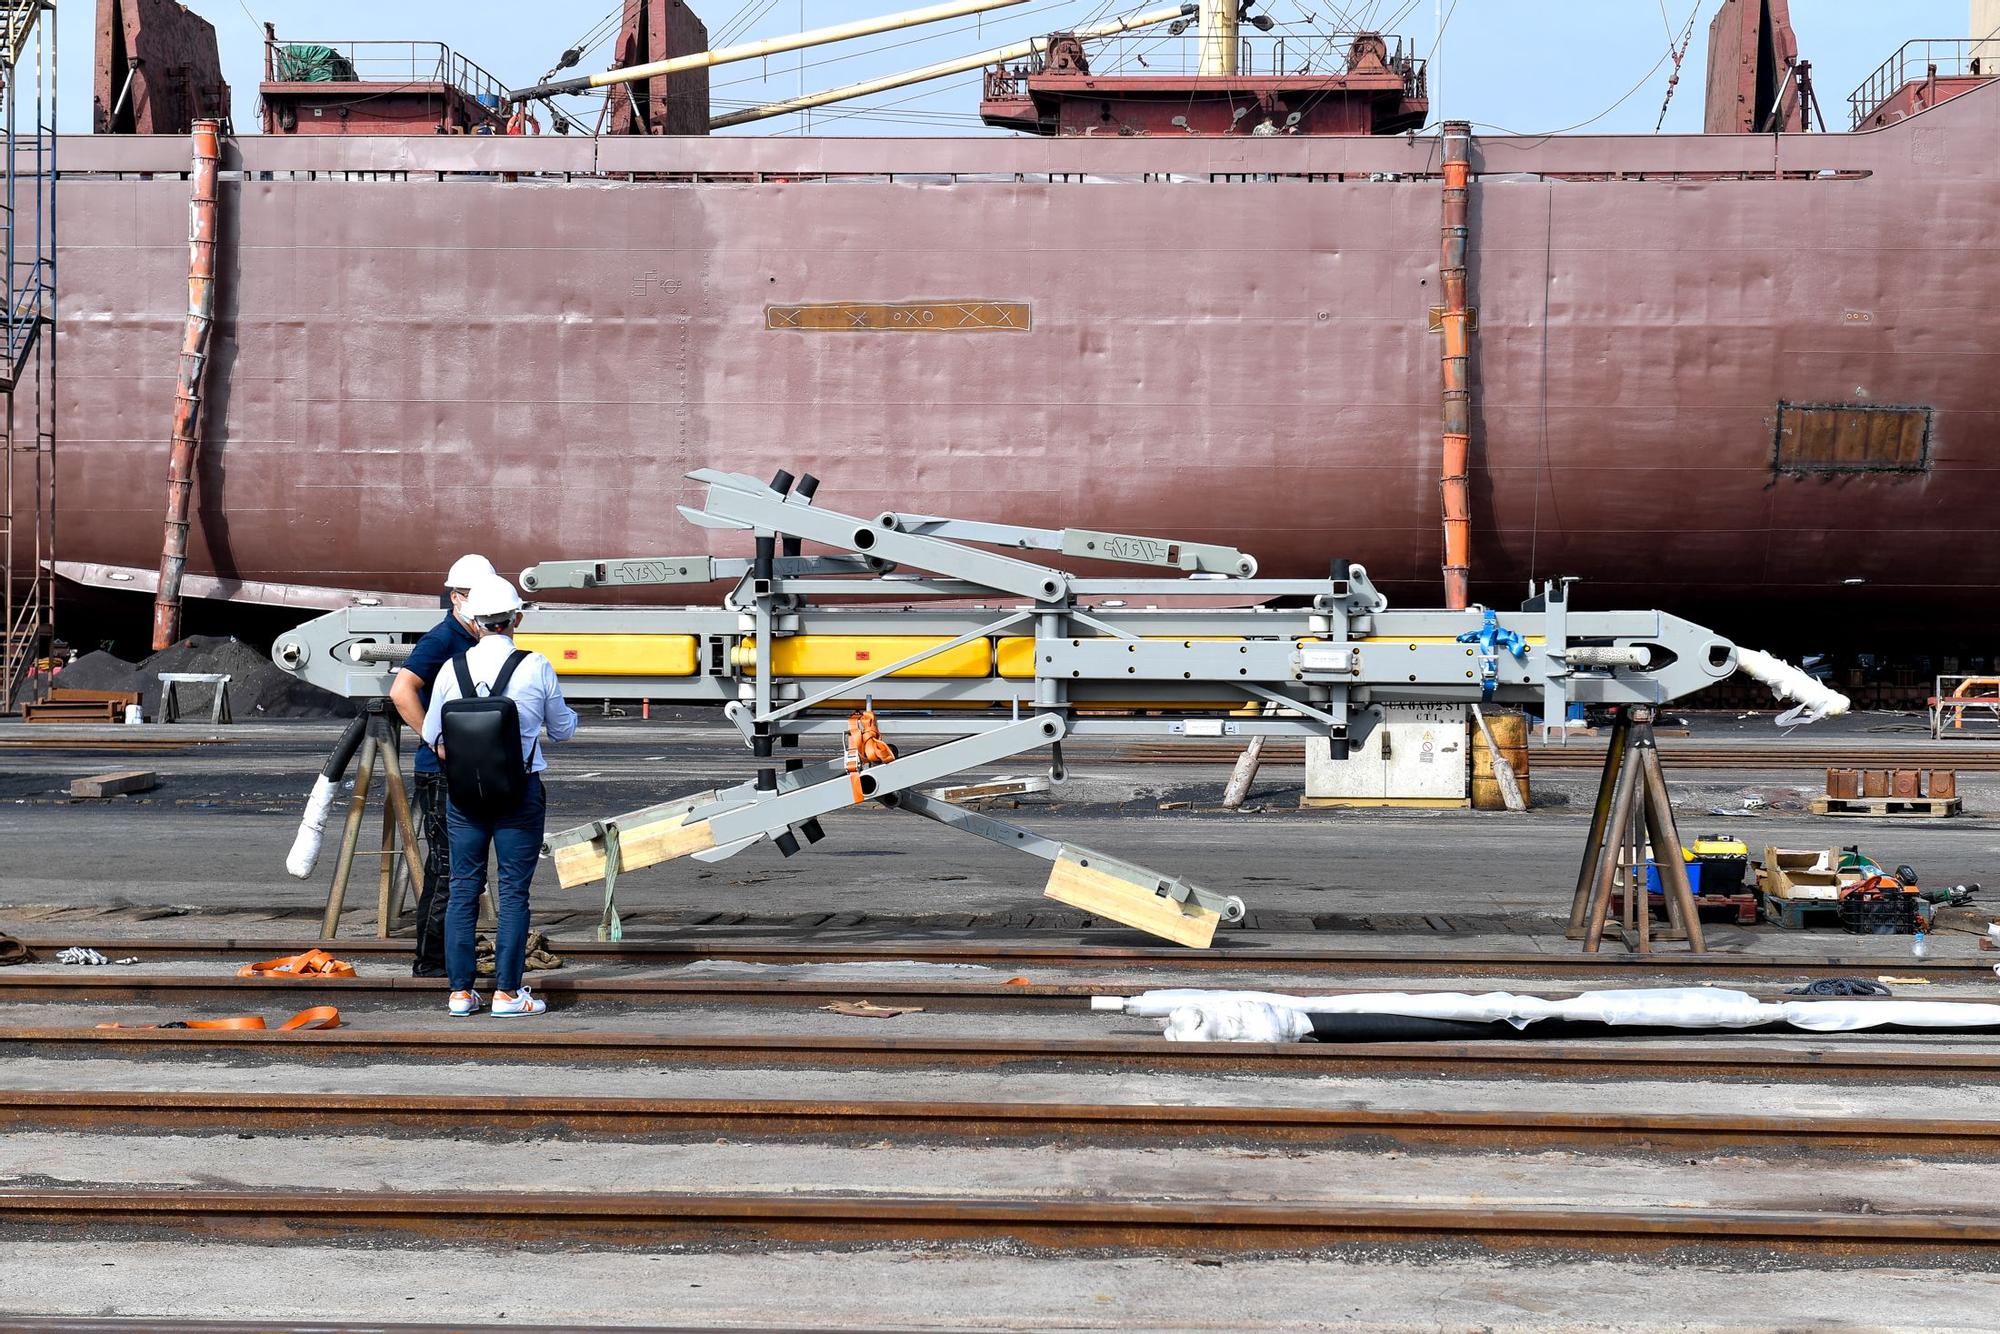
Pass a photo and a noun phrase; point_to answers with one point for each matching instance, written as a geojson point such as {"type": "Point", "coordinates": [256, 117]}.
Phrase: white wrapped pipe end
{"type": "Point", "coordinates": [305, 848]}
{"type": "Point", "coordinates": [1115, 1004]}
{"type": "Point", "coordinates": [1812, 700]}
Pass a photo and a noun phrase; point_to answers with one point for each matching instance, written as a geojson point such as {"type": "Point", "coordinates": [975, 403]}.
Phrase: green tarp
{"type": "Point", "coordinates": [313, 64]}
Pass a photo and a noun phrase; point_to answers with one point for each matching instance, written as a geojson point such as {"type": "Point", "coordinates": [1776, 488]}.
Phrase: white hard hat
{"type": "Point", "coordinates": [466, 570]}
{"type": "Point", "coordinates": [490, 595]}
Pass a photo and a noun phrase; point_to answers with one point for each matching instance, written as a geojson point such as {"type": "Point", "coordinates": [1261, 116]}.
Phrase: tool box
{"type": "Point", "coordinates": [1724, 860]}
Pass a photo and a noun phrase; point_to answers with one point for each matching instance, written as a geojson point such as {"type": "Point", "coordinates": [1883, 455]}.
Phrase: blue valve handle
{"type": "Point", "coordinates": [1491, 637]}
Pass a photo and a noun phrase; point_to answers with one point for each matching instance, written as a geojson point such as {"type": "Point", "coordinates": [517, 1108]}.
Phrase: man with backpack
{"type": "Point", "coordinates": [486, 717]}
{"type": "Point", "coordinates": [411, 695]}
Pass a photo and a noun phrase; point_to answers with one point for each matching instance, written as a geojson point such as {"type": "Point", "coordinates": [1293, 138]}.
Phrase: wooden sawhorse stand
{"type": "Point", "coordinates": [1632, 812]}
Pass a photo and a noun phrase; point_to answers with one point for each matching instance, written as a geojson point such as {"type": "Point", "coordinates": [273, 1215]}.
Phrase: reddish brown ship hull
{"type": "Point", "coordinates": [409, 368]}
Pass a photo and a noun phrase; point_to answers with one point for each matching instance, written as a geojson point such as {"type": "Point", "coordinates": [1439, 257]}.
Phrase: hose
{"type": "Point", "coordinates": [305, 847]}
{"type": "Point", "coordinates": [1840, 986]}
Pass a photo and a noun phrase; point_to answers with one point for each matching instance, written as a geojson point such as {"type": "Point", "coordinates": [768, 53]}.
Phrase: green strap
{"type": "Point", "coordinates": [608, 926]}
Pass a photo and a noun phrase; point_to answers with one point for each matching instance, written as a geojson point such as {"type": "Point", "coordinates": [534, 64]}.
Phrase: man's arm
{"type": "Point", "coordinates": [431, 725]}
{"type": "Point", "coordinates": [427, 658]}
{"type": "Point", "coordinates": [406, 692]}
{"type": "Point", "coordinates": [557, 716]}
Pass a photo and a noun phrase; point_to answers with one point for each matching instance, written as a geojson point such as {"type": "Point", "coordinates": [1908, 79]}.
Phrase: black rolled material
{"type": "Point", "coordinates": [781, 481]}
{"type": "Point", "coordinates": [811, 829]}
{"type": "Point", "coordinates": [1407, 1028]}
{"type": "Point", "coordinates": [767, 548]}
{"type": "Point", "coordinates": [343, 749]}
{"type": "Point", "coordinates": [787, 845]}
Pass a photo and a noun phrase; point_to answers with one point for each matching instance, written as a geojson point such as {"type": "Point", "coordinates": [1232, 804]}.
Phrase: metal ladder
{"type": "Point", "coordinates": [27, 345]}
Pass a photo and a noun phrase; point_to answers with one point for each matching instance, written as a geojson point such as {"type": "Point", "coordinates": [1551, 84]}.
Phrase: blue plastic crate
{"type": "Point", "coordinates": [1653, 885]}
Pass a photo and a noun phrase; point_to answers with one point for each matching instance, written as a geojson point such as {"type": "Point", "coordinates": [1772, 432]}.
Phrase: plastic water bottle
{"type": "Point", "coordinates": [1920, 946]}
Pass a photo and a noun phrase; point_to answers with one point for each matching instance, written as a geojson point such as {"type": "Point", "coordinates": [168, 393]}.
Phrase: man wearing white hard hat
{"type": "Point", "coordinates": [410, 693]}
{"type": "Point", "coordinates": [508, 825]}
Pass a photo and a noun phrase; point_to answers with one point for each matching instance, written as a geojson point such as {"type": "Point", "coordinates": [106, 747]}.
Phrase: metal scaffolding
{"type": "Point", "coordinates": [28, 352]}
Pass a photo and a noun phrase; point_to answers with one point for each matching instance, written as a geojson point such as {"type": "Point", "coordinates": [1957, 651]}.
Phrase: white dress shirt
{"type": "Point", "coordinates": [536, 693]}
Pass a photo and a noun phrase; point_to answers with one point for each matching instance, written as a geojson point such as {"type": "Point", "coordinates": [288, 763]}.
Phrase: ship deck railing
{"type": "Point", "coordinates": [1259, 55]}
{"type": "Point", "coordinates": [1923, 58]}
{"type": "Point", "coordinates": [390, 62]}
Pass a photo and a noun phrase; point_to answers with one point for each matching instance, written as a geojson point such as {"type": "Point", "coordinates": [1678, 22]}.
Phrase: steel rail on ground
{"type": "Point", "coordinates": [127, 1112]}
{"type": "Point", "coordinates": [1755, 1062]}
{"type": "Point", "coordinates": [1016, 995]}
{"type": "Point", "coordinates": [650, 1219]}
{"type": "Point", "coordinates": [1233, 951]}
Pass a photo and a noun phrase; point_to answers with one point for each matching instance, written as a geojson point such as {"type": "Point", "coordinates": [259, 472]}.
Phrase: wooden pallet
{"type": "Point", "coordinates": [1741, 907]}
{"type": "Point", "coordinates": [1918, 808]}
{"type": "Point", "coordinates": [1798, 914]}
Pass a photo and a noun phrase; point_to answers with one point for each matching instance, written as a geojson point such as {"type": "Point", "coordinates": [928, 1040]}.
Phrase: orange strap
{"type": "Point", "coordinates": [864, 739]}
{"type": "Point", "coordinates": [865, 746]}
{"type": "Point", "coordinates": [313, 963]}
{"type": "Point", "coordinates": [319, 1016]}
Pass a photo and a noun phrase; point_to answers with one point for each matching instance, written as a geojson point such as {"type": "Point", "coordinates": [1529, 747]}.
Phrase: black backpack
{"type": "Point", "coordinates": [484, 770]}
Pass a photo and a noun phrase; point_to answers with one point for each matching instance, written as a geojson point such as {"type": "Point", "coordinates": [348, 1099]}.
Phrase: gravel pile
{"type": "Point", "coordinates": [257, 688]}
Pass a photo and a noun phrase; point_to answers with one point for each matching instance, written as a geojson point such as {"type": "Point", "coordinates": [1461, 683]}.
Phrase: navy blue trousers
{"type": "Point", "coordinates": [516, 842]}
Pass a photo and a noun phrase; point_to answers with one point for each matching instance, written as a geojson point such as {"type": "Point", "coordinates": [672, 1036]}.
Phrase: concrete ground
{"type": "Point", "coordinates": [202, 856]}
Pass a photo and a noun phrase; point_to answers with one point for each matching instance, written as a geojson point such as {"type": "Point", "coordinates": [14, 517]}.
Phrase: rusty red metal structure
{"type": "Point", "coordinates": [655, 30]}
{"type": "Point", "coordinates": [202, 235]}
{"type": "Point", "coordinates": [1751, 49]}
{"type": "Point", "coordinates": [157, 69]}
{"type": "Point", "coordinates": [1378, 91]}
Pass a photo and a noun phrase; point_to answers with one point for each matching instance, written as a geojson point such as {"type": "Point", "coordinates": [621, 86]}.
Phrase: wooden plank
{"type": "Point", "coordinates": [59, 695]}
{"type": "Point", "coordinates": [1103, 895]}
{"type": "Point", "coordinates": [638, 846]}
{"type": "Point", "coordinates": [72, 713]}
{"type": "Point", "coordinates": [115, 785]}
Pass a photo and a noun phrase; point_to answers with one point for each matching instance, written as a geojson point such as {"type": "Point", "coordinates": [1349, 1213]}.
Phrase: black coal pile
{"type": "Point", "coordinates": [257, 688]}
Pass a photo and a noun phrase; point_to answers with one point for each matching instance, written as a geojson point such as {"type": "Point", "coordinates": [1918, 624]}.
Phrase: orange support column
{"type": "Point", "coordinates": [1454, 490]}
{"type": "Point", "coordinates": [202, 229]}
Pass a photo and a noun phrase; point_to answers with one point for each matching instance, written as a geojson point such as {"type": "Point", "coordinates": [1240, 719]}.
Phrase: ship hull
{"type": "Point", "coordinates": [1220, 340]}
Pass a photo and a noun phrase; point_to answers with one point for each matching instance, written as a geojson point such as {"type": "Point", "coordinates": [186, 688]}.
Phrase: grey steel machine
{"type": "Point", "coordinates": [952, 646]}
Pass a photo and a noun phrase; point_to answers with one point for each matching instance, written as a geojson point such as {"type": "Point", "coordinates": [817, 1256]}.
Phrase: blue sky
{"type": "Point", "coordinates": [1525, 65]}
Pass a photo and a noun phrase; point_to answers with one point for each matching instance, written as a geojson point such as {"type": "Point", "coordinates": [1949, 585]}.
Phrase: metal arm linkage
{"type": "Point", "coordinates": [991, 656]}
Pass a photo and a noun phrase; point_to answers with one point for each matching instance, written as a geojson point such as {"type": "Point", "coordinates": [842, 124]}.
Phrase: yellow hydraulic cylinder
{"type": "Point", "coordinates": [770, 46]}
{"type": "Point", "coordinates": [851, 655]}
{"type": "Point", "coordinates": [614, 655]}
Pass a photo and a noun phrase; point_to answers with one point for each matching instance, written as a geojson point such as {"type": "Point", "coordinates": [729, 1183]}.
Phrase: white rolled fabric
{"type": "Point", "coordinates": [305, 848]}
{"type": "Point", "coordinates": [1195, 1015]}
{"type": "Point", "coordinates": [1814, 700]}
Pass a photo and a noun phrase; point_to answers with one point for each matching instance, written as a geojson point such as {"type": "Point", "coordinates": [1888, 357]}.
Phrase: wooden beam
{"type": "Point", "coordinates": [115, 785]}
{"type": "Point", "coordinates": [1103, 895]}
